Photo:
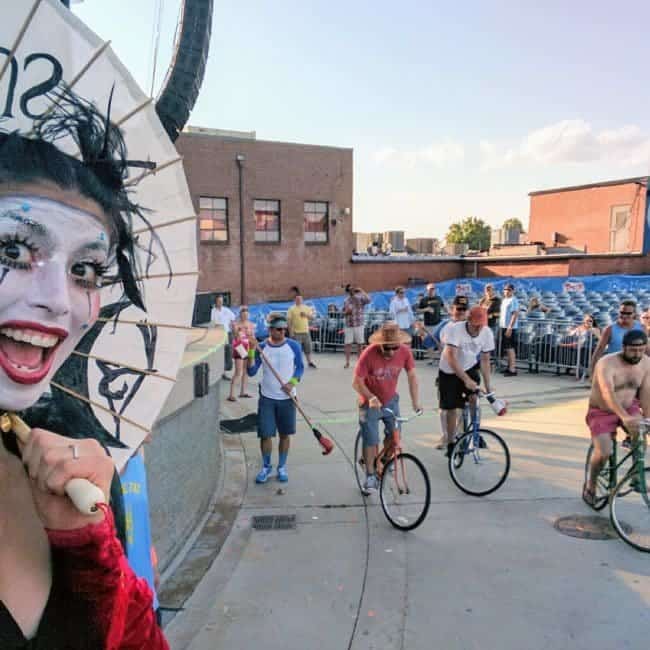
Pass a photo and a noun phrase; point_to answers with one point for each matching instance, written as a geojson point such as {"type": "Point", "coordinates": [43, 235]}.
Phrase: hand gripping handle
{"type": "Point", "coordinates": [80, 491]}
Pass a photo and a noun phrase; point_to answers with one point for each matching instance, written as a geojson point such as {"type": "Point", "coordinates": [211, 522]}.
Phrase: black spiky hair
{"type": "Point", "coordinates": [99, 174]}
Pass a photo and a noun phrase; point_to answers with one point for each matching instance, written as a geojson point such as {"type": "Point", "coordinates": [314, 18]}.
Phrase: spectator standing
{"type": "Point", "coordinates": [508, 325]}
{"type": "Point", "coordinates": [353, 307]}
{"type": "Point", "coordinates": [612, 336]}
{"type": "Point", "coordinates": [645, 321]}
{"type": "Point", "coordinates": [400, 311]}
{"type": "Point", "coordinates": [222, 315]}
{"type": "Point", "coordinates": [243, 331]}
{"type": "Point", "coordinates": [298, 318]}
{"type": "Point", "coordinates": [535, 305]}
{"type": "Point", "coordinates": [492, 303]}
{"type": "Point", "coordinates": [431, 306]}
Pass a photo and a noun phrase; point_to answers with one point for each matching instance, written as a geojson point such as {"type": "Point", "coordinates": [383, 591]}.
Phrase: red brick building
{"type": "Point", "coordinates": [608, 217]}
{"type": "Point", "coordinates": [297, 205]}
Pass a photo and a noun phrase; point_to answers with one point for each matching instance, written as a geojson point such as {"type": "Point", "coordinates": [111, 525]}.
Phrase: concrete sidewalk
{"type": "Point", "coordinates": [485, 574]}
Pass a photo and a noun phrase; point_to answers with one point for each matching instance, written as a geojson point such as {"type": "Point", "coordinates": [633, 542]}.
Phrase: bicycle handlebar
{"type": "Point", "coordinates": [399, 418]}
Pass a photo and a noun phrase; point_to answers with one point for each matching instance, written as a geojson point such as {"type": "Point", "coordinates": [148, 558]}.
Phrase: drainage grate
{"type": "Point", "coordinates": [274, 522]}
{"type": "Point", "coordinates": [587, 527]}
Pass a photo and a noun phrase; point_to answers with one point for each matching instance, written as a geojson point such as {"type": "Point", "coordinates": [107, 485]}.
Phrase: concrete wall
{"type": "Point", "coordinates": [184, 457]}
{"type": "Point", "coordinates": [292, 174]}
{"type": "Point", "coordinates": [582, 216]}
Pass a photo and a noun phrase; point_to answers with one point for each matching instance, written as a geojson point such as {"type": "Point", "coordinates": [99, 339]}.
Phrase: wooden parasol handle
{"type": "Point", "coordinates": [80, 491]}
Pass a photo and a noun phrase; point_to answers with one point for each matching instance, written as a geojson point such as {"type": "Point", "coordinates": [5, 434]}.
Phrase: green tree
{"type": "Point", "coordinates": [472, 231]}
{"type": "Point", "coordinates": [513, 223]}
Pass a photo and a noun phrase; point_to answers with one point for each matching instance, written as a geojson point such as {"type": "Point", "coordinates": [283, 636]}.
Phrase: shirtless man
{"type": "Point", "coordinates": [620, 391]}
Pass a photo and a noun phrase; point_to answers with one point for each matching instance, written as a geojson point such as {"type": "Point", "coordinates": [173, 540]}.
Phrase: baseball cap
{"type": "Point", "coordinates": [461, 301]}
{"type": "Point", "coordinates": [635, 337]}
{"type": "Point", "coordinates": [510, 286]}
{"type": "Point", "coordinates": [278, 322]}
{"type": "Point", "coordinates": [477, 316]}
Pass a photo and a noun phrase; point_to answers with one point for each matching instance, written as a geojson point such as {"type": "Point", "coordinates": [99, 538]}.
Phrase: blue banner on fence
{"type": "Point", "coordinates": [465, 286]}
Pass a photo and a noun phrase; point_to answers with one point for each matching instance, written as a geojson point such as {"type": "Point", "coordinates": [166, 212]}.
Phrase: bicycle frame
{"type": "Point", "coordinates": [637, 452]}
{"type": "Point", "coordinates": [390, 451]}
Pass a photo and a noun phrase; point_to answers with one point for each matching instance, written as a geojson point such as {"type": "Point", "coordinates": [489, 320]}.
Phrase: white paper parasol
{"type": "Point", "coordinates": [124, 368]}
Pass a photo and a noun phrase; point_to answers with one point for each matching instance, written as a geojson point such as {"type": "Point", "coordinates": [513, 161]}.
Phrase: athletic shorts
{"type": "Point", "coordinates": [354, 335]}
{"type": "Point", "coordinates": [369, 421]}
{"type": "Point", "coordinates": [275, 416]}
{"type": "Point", "coordinates": [305, 342]}
{"type": "Point", "coordinates": [600, 421]}
{"type": "Point", "coordinates": [508, 342]}
{"type": "Point", "coordinates": [452, 392]}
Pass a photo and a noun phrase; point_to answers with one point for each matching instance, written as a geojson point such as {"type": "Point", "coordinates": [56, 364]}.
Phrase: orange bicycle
{"type": "Point", "coordinates": [404, 487]}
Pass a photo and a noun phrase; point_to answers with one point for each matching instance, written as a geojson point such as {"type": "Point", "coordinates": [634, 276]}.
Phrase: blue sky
{"type": "Point", "coordinates": [453, 109]}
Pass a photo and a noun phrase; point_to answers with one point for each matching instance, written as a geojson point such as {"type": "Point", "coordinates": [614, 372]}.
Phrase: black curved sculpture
{"type": "Point", "coordinates": [187, 68]}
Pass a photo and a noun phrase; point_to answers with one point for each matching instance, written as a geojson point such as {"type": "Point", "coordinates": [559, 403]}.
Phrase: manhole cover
{"type": "Point", "coordinates": [274, 522]}
{"type": "Point", "coordinates": [588, 527]}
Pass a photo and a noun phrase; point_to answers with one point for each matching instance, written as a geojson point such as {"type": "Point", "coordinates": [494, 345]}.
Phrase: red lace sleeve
{"type": "Point", "coordinates": [95, 568]}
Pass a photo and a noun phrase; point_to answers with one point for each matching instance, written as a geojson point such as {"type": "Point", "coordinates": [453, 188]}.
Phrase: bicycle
{"type": "Point", "coordinates": [404, 487]}
{"type": "Point", "coordinates": [629, 502]}
{"type": "Point", "coordinates": [479, 461]}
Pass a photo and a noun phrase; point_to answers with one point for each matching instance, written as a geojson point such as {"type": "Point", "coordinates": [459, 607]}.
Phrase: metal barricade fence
{"type": "Point", "coordinates": [328, 332]}
{"type": "Point", "coordinates": [549, 346]}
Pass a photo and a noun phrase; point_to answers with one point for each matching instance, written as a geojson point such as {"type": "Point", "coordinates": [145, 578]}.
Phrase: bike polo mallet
{"type": "Point", "coordinates": [323, 441]}
{"type": "Point", "coordinates": [80, 491]}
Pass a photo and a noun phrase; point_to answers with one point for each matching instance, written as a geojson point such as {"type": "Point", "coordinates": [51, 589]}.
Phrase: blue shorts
{"type": "Point", "coordinates": [369, 422]}
{"type": "Point", "coordinates": [275, 415]}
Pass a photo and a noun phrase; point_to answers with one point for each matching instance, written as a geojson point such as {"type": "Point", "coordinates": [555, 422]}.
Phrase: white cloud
{"type": "Point", "coordinates": [439, 154]}
{"type": "Point", "coordinates": [570, 141]}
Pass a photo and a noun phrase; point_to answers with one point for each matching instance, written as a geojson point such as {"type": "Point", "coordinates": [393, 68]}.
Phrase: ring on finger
{"type": "Point", "coordinates": [75, 451]}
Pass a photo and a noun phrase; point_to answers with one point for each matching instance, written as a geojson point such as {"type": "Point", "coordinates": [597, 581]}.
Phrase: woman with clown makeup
{"type": "Point", "coordinates": [64, 579]}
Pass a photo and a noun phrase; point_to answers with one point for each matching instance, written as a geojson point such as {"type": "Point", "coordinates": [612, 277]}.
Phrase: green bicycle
{"type": "Point", "coordinates": [629, 502]}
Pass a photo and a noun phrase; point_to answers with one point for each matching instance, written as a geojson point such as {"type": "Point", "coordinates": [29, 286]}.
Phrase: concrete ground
{"type": "Point", "coordinates": [480, 573]}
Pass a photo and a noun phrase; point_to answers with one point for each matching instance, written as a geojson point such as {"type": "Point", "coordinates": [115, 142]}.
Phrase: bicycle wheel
{"type": "Point", "coordinates": [602, 482]}
{"type": "Point", "coordinates": [405, 491]}
{"type": "Point", "coordinates": [630, 511]}
{"type": "Point", "coordinates": [485, 463]}
{"type": "Point", "coordinates": [359, 464]}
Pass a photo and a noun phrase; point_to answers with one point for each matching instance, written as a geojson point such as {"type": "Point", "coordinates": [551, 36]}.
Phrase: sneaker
{"type": "Point", "coordinates": [283, 477]}
{"type": "Point", "coordinates": [312, 365]}
{"type": "Point", "coordinates": [509, 373]}
{"type": "Point", "coordinates": [450, 448]}
{"type": "Point", "coordinates": [442, 443]}
{"type": "Point", "coordinates": [481, 443]}
{"type": "Point", "coordinates": [627, 443]}
{"type": "Point", "coordinates": [370, 485]}
{"type": "Point", "coordinates": [264, 474]}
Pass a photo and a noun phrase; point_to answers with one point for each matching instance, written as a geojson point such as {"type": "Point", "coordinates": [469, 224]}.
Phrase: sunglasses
{"type": "Point", "coordinates": [389, 348]}
{"type": "Point", "coordinates": [460, 308]}
{"type": "Point", "coordinates": [626, 313]}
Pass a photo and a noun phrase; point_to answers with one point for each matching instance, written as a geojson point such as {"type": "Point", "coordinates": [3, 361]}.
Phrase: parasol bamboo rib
{"type": "Point", "coordinates": [159, 168]}
{"type": "Point", "coordinates": [71, 84]}
{"type": "Point", "coordinates": [19, 38]}
{"type": "Point", "coordinates": [150, 373]}
{"type": "Point", "coordinates": [164, 225]}
{"type": "Point", "coordinates": [134, 112]}
{"type": "Point", "coordinates": [157, 276]}
{"type": "Point", "coordinates": [100, 406]}
{"type": "Point", "coordinates": [149, 323]}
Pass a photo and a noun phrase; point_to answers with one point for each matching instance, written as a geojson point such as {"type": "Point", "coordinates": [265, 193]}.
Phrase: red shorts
{"type": "Point", "coordinates": [600, 421]}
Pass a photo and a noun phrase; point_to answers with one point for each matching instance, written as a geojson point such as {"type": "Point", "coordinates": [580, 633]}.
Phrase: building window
{"type": "Point", "coordinates": [213, 219]}
{"type": "Point", "coordinates": [316, 221]}
{"type": "Point", "coordinates": [267, 220]}
{"type": "Point", "coordinates": [619, 228]}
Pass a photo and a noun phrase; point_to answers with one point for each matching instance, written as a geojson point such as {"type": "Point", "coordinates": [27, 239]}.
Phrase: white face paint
{"type": "Point", "coordinates": [51, 260]}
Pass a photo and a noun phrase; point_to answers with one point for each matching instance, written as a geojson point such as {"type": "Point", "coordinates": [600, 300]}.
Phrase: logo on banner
{"type": "Point", "coordinates": [570, 287]}
{"type": "Point", "coordinates": [463, 289]}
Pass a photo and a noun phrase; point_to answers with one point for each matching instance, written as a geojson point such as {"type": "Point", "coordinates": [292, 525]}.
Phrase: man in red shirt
{"type": "Point", "coordinates": [375, 379]}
